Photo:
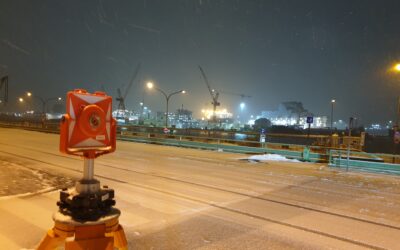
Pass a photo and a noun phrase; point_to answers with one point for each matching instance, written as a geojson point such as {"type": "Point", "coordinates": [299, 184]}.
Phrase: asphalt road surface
{"type": "Point", "coordinates": [177, 198]}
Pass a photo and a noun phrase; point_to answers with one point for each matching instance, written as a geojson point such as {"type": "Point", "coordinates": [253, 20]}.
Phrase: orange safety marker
{"type": "Point", "coordinates": [86, 218]}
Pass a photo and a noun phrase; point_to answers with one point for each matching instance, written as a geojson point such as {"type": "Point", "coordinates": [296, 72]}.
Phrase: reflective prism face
{"type": "Point", "coordinates": [88, 126]}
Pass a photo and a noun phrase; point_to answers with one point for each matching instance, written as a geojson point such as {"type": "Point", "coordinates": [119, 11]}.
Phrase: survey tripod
{"type": "Point", "coordinates": [86, 218]}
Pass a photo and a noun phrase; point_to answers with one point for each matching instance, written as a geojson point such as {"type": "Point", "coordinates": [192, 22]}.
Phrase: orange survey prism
{"type": "Point", "coordinates": [88, 128]}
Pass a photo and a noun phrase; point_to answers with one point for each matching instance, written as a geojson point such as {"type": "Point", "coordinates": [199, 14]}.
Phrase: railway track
{"type": "Point", "coordinates": [212, 204]}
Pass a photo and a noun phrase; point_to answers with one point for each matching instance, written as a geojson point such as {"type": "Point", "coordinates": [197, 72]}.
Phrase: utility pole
{"type": "Point", "coordinates": [332, 104]}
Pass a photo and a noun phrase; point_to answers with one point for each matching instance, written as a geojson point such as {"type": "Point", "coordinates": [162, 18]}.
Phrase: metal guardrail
{"type": "Point", "coordinates": [359, 161]}
{"type": "Point", "coordinates": [30, 127]}
{"type": "Point", "coordinates": [293, 151]}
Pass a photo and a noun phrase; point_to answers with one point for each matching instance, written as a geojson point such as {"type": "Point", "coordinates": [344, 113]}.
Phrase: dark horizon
{"type": "Point", "coordinates": [274, 51]}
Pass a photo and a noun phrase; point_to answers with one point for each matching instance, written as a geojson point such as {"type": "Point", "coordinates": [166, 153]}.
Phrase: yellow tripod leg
{"type": "Point", "coordinates": [120, 241]}
{"type": "Point", "coordinates": [91, 237]}
{"type": "Point", "coordinates": [51, 241]}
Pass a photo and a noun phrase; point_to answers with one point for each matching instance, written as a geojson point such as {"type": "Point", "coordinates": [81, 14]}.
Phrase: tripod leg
{"type": "Point", "coordinates": [51, 241]}
{"type": "Point", "coordinates": [90, 238]}
{"type": "Point", "coordinates": [120, 239]}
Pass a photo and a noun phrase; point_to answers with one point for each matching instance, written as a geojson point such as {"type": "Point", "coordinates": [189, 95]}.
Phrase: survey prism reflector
{"type": "Point", "coordinates": [88, 127]}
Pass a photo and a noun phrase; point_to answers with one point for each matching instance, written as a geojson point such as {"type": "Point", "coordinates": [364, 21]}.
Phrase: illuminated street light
{"type": "Point", "coordinates": [396, 67]}
{"type": "Point", "coordinates": [21, 99]}
{"type": "Point", "coordinates": [242, 105]}
{"type": "Point", "coordinates": [28, 94]}
{"type": "Point", "coordinates": [150, 85]}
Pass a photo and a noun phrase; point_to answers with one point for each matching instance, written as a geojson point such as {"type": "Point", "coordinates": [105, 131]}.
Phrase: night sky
{"type": "Point", "coordinates": [275, 51]}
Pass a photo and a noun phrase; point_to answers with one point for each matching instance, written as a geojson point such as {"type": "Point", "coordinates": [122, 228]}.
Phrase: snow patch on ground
{"type": "Point", "coordinates": [45, 190]}
{"type": "Point", "coordinates": [18, 179]}
{"type": "Point", "coordinates": [270, 157]}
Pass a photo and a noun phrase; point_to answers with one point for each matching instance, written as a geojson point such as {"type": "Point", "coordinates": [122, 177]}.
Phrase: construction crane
{"type": "Point", "coordinates": [4, 89]}
{"type": "Point", "coordinates": [214, 95]}
{"type": "Point", "coordinates": [242, 96]}
{"type": "Point", "coordinates": [121, 98]}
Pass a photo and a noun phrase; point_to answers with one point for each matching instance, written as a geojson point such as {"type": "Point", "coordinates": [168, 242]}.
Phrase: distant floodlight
{"type": "Point", "coordinates": [397, 67]}
{"type": "Point", "coordinates": [28, 93]}
{"type": "Point", "coordinates": [183, 91]}
{"type": "Point", "coordinates": [59, 98]}
{"type": "Point", "coordinates": [20, 99]}
{"type": "Point", "coordinates": [333, 101]}
{"type": "Point", "coordinates": [242, 105]}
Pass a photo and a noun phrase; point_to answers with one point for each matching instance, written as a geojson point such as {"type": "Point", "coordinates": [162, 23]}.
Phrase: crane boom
{"type": "Point", "coordinates": [121, 98]}
{"type": "Point", "coordinates": [132, 80]}
{"type": "Point", "coordinates": [214, 95]}
{"type": "Point", "coordinates": [237, 94]}
{"type": "Point", "coordinates": [208, 84]}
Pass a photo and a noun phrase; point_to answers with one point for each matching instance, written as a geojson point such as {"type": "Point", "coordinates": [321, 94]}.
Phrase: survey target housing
{"type": "Point", "coordinates": [88, 127]}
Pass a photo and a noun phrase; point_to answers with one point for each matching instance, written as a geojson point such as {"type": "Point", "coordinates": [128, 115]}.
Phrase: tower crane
{"type": "Point", "coordinates": [236, 94]}
{"type": "Point", "coordinates": [213, 93]}
{"type": "Point", "coordinates": [121, 98]}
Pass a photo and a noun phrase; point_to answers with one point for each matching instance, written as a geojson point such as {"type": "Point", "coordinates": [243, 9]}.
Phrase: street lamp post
{"type": "Point", "coordinates": [396, 68]}
{"type": "Point", "coordinates": [50, 99]}
{"type": "Point", "coordinates": [44, 103]}
{"type": "Point", "coordinates": [395, 127]}
{"type": "Point", "coordinates": [150, 85]}
{"type": "Point", "coordinates": [21, 101]}
{"type": "Point", "coordinates": [332, 104]}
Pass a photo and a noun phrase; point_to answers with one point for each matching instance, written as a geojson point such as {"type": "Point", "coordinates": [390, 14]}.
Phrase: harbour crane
{"type": "Point", "coordinates": [121, 98]}
{"type": "Point", "coordinates": [213, 93]}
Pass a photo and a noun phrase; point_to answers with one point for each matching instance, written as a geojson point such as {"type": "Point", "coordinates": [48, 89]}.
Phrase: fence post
{"type": "Point", "coordinates": [306, 154]}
